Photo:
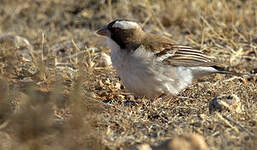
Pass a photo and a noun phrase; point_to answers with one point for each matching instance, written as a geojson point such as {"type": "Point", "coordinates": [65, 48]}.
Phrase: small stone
{"type": "Point", "coordinates": [129, 103]}
{"type": "Point", "coordinates": [143, 147]}
{"type": "Point", "coordinates": [117, 85]}
{"type": "Point", "coordinates": [104, 60]}
{"type": "Point", "coordinates": [188, 142]}
{"type": "Point", "coordinates": [231, 102]}
{"type": "Point", "coordinates": [15, 42]}
{"type": "Point", "coordinates": [214, 105]}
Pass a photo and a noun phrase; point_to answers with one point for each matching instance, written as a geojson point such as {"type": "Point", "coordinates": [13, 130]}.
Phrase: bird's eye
{"type": "Point", "coordinates": [116, 29]}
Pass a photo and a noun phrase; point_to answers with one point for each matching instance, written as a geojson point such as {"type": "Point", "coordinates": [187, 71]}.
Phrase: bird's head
{"type": "Point", "coordinates": [125, 33]}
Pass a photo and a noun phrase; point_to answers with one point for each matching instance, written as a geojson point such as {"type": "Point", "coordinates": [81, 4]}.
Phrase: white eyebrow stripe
{"type": "Point", "coordinates": [125, 25]}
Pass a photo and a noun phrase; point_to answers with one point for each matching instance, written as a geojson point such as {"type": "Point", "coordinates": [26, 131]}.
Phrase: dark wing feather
{"type": "Point", "coordinates": [176, 55]}
{"type": "Point", "coordinates": [186, 56]}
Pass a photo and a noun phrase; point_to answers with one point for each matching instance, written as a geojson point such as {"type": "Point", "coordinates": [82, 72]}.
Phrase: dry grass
{"type": "Point", "coordinates": [55, 94]}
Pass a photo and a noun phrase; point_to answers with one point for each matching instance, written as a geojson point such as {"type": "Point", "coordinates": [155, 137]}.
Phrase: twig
{"type": "Point", "coordinates": [241, 57]}
{"type": "Point", "coordinates": [240, 126]}
{"type": "Point", "coordinates": [227, 122]}
{"type": "Point", "coordinates": [73, 55]}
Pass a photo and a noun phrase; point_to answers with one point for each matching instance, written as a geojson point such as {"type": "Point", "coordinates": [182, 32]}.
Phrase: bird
{"type": "Point", "coordinates": [150, 65]}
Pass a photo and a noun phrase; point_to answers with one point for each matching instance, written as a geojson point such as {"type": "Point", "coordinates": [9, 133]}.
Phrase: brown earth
{"type": "Point", "coordinates": [58, 91]}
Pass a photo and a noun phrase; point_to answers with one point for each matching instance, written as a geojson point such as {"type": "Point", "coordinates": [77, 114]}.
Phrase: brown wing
{"type": "Point", "coordinates": [185, 56]}
{"type": "Point", "coordinates": [177, 55]}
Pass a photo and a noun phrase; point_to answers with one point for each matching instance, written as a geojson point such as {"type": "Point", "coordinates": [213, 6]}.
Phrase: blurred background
{"type": "Point", "coordinates": [59, 91]}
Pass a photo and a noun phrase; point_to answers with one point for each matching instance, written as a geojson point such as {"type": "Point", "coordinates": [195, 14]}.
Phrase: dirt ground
{"type": "Point", "coordinates": [59, 91]}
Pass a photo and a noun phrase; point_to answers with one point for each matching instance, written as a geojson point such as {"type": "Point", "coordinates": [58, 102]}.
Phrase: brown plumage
{"type": "Point", "coordinates": [176, 55]}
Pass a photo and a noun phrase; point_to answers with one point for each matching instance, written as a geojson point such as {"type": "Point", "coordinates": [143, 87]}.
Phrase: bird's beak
{"type": "Point", "coordinates": [103, 31]}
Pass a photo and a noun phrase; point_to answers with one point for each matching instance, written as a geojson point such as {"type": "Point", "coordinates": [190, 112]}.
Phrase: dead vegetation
{"type": "Point", "coordinates": [58, 90]}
